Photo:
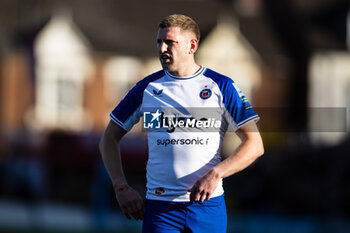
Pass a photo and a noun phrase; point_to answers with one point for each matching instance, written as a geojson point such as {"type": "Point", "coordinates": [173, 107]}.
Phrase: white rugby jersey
{"type": "Point", "coordinates": [186, 119]}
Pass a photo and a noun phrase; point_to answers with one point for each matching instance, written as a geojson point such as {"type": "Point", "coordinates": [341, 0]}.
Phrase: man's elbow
{"type": "Point", "coordinates": [261, 151]}
{"type": "Point", "coordinates": [260, 148]}
{"type": "Point", "coordinates": [257, 146]}
{"type": "Point", "coordinates": [101, 144]}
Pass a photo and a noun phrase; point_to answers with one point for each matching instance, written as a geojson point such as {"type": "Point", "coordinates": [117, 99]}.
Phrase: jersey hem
{"type": "Point", "coordinates": [184, 197]}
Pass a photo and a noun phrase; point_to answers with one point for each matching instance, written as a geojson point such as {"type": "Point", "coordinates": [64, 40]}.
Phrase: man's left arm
{"type": "Point", "coordinates": [249, 150]}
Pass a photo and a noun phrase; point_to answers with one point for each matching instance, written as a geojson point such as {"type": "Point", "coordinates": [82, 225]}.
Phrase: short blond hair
{"type": "Point", "coordinates": [182, 21]}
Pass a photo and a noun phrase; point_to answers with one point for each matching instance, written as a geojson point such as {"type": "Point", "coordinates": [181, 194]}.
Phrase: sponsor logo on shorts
{"type": "Point", "coordinates": [159, 191]}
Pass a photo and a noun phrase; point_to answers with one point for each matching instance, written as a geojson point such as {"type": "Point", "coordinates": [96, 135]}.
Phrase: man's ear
{"type": "Point", "coordinates": [194, 46]}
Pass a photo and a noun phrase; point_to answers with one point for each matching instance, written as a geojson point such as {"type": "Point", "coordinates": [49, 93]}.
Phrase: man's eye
{"type": "Point", "coordinates": [170, 42]}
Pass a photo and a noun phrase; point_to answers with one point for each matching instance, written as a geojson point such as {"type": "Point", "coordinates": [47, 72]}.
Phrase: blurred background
{"type": "Point", "coordinates": [64, 65]}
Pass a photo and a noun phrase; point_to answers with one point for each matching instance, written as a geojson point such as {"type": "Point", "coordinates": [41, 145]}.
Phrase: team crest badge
{"type": "Point", "coordinates": [205, 93]}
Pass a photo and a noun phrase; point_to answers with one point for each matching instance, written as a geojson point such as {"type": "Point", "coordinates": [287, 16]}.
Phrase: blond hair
{"type": "Point", "coordinates": [182, 21]}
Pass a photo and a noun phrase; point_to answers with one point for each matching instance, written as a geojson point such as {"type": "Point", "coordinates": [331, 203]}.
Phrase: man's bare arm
{"type": "Point", "coordinates": [129, 200]}
{"type": "Point", "coordinates": [249, 150]}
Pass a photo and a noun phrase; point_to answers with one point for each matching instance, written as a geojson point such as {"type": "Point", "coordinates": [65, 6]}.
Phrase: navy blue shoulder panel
{"type": "Point", "coordinates": [234, 100]}
{"type": "Point", "coordinates": [225, 85]}
{"type": "Point", "coordinates": [221, 80]}
{"type": "Point", "coordinates": [133, 98]}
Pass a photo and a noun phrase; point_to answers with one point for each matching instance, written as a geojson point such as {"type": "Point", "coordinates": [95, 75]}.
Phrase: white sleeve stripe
{"type": "Point", "coordinates": [255, 117]}
{"type": "Point", "coordinates": [118, 122]}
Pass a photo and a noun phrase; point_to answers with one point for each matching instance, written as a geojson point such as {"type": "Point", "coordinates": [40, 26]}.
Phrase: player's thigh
{"type": "Point", "coordinates": [209, 216]}
{"type": "Point", "coordinates": [163, 217]}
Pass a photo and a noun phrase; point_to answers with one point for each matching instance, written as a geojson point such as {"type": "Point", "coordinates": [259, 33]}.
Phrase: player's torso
{"type": "Point", "coordinates": [183, 149]}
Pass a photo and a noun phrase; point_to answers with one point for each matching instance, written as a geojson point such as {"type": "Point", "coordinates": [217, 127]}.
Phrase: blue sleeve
{"type": "Point", "coordinates": [127, 113]}
{"type": "Point", "coordinates": [237, 105]}
{"type": "Point", "coordinates": [238, 110]}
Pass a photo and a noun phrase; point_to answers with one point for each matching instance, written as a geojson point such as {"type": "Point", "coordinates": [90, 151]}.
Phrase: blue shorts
{"type": "Point", "coordinates": [182, 217]}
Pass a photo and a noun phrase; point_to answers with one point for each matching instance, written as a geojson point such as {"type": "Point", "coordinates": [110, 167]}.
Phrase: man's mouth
{"type": "Point", "coordinates": [165, 58]}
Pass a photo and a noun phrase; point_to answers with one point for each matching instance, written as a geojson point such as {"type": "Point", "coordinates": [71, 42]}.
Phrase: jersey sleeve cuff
{"type": "Point", "coordinates": [250, 119]}
{"type": "Point", "coordinates": [118, 122]}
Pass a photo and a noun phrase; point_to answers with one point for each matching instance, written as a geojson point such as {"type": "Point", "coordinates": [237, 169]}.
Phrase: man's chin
{"type": "Point", "coordinates": [165, 66]}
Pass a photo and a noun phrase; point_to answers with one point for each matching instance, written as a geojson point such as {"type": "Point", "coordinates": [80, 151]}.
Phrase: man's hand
{"type": "Point", "coordinates": [205, 186]}
{"type": "Point", "coordinates": [130, 202]}
{"type": "Point", "coordinates": [248, 151]}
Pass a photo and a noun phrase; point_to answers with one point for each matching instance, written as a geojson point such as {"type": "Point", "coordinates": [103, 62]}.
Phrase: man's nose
{"type": "Point", "coordinates": [162, 47]}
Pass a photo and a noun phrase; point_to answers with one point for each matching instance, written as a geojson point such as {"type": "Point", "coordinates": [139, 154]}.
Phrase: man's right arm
{"type": "Point", "coordinates": [129, 200]}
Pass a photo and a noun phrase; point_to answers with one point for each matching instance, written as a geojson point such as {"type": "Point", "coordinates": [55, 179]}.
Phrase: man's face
{"type": "Point", "coordinates": [173, 46]}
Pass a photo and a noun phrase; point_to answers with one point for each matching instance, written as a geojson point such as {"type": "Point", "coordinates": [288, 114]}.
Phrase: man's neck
{"type": "Point", "coordinates": [186, 71]}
